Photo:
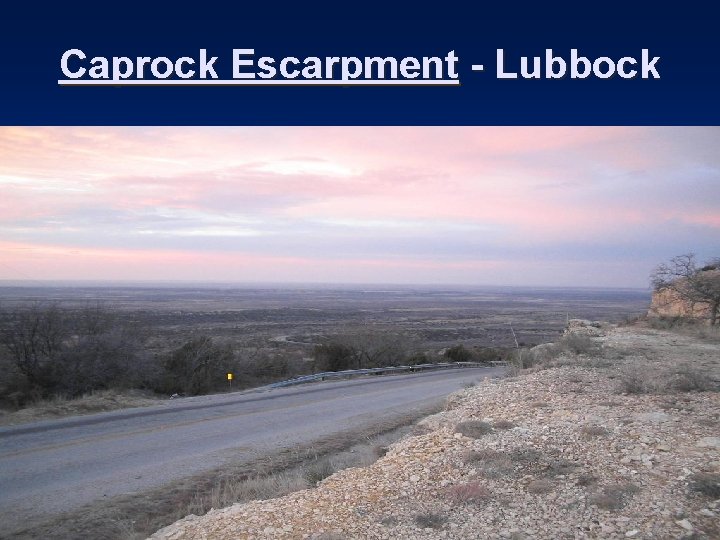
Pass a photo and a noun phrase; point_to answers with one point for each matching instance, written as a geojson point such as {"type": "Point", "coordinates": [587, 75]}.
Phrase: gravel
{"type": "Point", "coordinates": [591, 463]}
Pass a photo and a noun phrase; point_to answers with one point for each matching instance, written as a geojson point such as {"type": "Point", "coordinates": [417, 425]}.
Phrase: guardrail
{"type": "Point", "coordinates": [378, 371]}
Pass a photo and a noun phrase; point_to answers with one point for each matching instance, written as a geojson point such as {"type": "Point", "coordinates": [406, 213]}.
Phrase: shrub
{"type": "Point", "coordinates": [473, 492]}
{"type": "Point", "coordinates": [57, 351]}
{"type": "Point", "coordinates": [707, 484]}
{"type": "Point", "coordinates": [539, 486]}
{"type": "Point", "coordinates": [430, 520]}
{"type": "Point", "coordinates": [586, 479]}
{"type": "Point", "coordinates": [666, 323]}
{"type": "Point", "coordinates": [417, 358]}
{"type": "Point", "coordinates": [577, 344]}
{"type": "Point", "coordinates": [633, 380]}
{"type": "Point", "coordinates": [197, 367]}
{"type": "Point", "coordinates": [473, 428]}
{"type": "Point", "coordinates": [526, 456]}
{"type": "Point", "coordinates": [458, 353]}
{"type": "Point", "coordinates": [490, 463]}
{"type": "Point", "coordinates": [614, 497]}
{"type": "Point", "coordinates": [686, 378]}
{"type": "Point", "coordinates": [318, 470]}
{"type": "Point", "coordinates": [484, 455]}
{"type": "Point", "coordinates": [334, 357]}
{"type": "Point", "coordinates": [593, 431]}
{"type": "Point", "coordinates": [560, 466]}
{"type": "Point", "coordinates": [503, 424]}
{"type": "Point", "coordinates": [643, 379]}
{"type": "Point", "coordinates": [541, 354]}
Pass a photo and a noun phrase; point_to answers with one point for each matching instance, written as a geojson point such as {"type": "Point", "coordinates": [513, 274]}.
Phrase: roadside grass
{"type": "Point", "coordinates": [312, 467]}
{"type": "Point", "coordinates": [134, 517]}
{"type": "Point", "coordinates": [92, 402]}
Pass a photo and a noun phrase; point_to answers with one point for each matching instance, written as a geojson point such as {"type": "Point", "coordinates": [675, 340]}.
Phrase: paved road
{"type": "Point", "coordinates": [55, 466]}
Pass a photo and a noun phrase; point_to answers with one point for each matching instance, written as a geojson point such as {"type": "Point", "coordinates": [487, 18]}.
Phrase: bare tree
{"type": "Point", "coordinates": [35, 338]}
{"type": "Point", "coordinates": [692, 284]}
{"type": "Point", "coordinates": [71, 351]}
{"type": "Point", "coordinates": [198, 366]}
{"type": "Point", "coordinates": [365, 347]}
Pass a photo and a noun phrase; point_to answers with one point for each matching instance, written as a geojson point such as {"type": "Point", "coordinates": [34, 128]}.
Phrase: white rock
{"type": "Point", "coordinates": [685, 524]}
{"type": "Point", "coordinates": [653, 417]}
{"type": "Point", "coordinates": [709, 442]}
{"type": "Point", "coordinates": [632, 533]}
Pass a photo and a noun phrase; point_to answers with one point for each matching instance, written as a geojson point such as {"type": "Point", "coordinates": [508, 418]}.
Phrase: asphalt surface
{"type": "Point", "coordinates": [56, 466]}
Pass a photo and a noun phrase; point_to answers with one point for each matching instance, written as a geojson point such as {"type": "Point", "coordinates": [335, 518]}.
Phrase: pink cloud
{"type": "Point", "coordinates": [65, 188]}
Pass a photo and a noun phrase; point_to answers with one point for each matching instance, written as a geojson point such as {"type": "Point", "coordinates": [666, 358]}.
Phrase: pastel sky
{"type": "Point", "coordinates": [588, 206]}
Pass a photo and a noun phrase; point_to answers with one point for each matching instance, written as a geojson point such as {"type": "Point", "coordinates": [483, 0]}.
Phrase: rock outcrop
{"type": "Point", "coordinates": [668, 303]}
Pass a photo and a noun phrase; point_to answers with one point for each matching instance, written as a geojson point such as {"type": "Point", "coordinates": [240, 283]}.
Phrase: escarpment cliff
{"type": "Point", "coordinates": [685, 299]}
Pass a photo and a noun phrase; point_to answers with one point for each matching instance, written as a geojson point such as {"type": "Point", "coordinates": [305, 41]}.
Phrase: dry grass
{"type": "Point", "coordinates": [473, 428]}
{"type": "Point", "coordinates": [688, 378]}
{"type": "Point", "coordinates": [490, 463]}
{"type": "Point", "coordinates": [586, 479]}
{"type": "Point", "coordinates": [93, 402]}
{"type": "Point", "coordinates": [577, 344]}
{"type": "Point", "coordinates": [317, 471]}
{"type": "Point", "coordinates": [563, 352]}
{"type": "Point", "coordinates": [472, 492]}
{"type": "Point", "coordinates": [429, 520]}
{"type": "Point", "coordinates": [560, 466]}
{"type": "Point", "coordinates": [540, 486]}
{"type": "Point", "coordinates": [614, 497]}
{"type": "Point", "coordinates": [645, 378]}
{"type": "Point", "coordinates": [309, 470]}
{"type": "Point", "coordinates": [706, 484]}
{"type": "Point", "coordinates": [686, 327]}
{"type": "Point", "coordinates": [592, 431]}
{"type": "Point", "coordinates": [526, 456]}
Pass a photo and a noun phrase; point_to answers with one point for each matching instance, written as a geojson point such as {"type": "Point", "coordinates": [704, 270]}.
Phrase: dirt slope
{"type": "Point", "coordinates": [622, 441]}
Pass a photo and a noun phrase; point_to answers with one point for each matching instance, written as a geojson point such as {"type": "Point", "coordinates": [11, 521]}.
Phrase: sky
{"type": "Point", "coordinates": [535, 206]}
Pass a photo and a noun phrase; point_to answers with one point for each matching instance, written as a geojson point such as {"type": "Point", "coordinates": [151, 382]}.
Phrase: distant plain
{"type": "Point", "coordinates": [293, 318]}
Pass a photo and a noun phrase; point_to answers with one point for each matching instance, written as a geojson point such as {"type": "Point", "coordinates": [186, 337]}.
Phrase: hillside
{"type": "Point", "coordinates": [613, 433]}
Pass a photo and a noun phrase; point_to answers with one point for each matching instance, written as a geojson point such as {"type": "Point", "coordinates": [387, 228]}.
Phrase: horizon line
{"type": "Point", "coordinates": [27, 282]}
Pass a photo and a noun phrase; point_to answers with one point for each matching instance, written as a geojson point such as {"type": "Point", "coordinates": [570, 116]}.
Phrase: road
{"type": "Point", "coordinates": [56, 466]}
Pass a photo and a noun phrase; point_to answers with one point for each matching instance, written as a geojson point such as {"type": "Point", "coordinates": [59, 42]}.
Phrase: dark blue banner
{"type": "Point", "coordinates": [592, 66]}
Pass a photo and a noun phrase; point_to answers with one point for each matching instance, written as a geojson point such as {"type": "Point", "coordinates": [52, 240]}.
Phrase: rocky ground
{"type": "Point", "coordinates": [613, 433]}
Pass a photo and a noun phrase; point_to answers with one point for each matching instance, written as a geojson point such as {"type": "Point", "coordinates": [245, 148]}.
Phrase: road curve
{"type": "Point", "coordinates": [56, 466]}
